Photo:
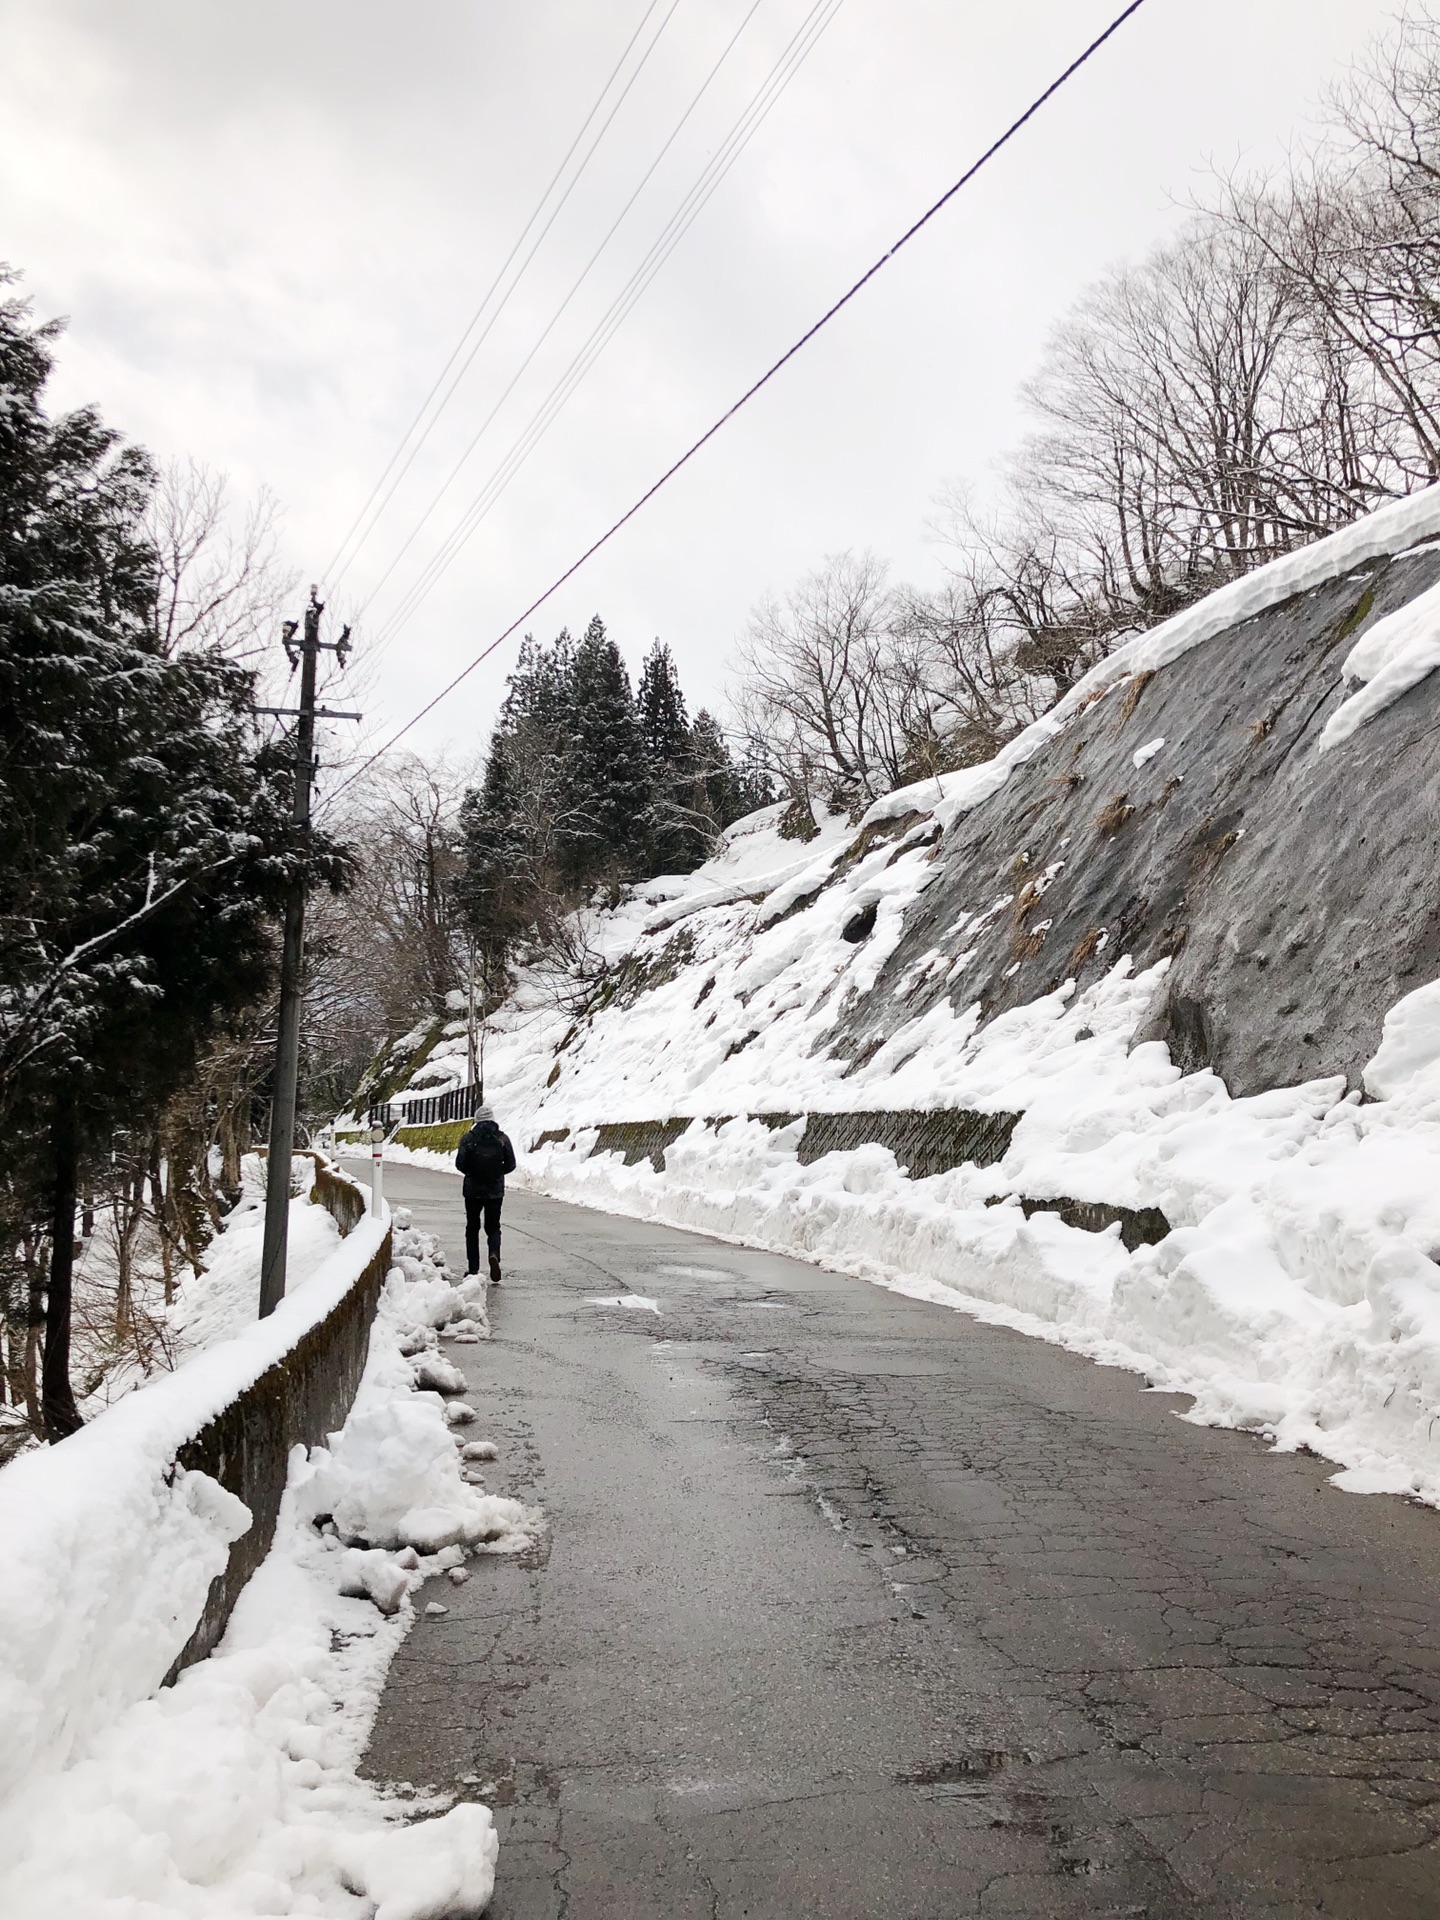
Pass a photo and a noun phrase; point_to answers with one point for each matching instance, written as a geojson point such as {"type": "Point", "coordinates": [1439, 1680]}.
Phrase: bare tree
{"type": "Point", "coordinates": [1190, 429]}
{"type": "Point", "coordinates": [390, 950]}
{"type": "Point", "coordinates": [823, 686]}
{"type": "Point", "coordinates": [221, 582]}
{"type": "Point", "coordinates": [1354, 232]}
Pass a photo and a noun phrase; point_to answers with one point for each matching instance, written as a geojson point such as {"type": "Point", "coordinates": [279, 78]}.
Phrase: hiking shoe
{"type": "Point", "coordinates": [494, 1269]}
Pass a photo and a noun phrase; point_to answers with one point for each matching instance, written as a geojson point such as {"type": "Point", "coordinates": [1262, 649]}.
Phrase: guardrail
{"type": "Point", "coordinates": [116, 1502]}
{"type": "Point", "coordinates": [341, 1198]}
{"type": "Point", "coordinates": [461, 1103]}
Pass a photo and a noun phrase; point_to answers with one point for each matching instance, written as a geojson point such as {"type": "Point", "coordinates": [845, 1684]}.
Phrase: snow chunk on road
{"type": "Point", "coordinates": [436, 1870]}
{"type": "Point", "coordinates": [439, 1374]}
{"type": "Point", "coordinates": [370, 1574]}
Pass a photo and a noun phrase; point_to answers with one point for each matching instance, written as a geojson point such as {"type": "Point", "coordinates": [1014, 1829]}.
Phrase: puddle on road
{"type": "Point", "coordinates": [698, 1273]}
{"type": "Point", "coordinates": [638, 1300]}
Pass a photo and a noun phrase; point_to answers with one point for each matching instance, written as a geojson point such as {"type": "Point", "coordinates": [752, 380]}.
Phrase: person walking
{"type": "Point", "coordinates": [485, 1157]}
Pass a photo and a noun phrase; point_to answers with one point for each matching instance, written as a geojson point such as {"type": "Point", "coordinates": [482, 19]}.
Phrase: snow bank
{"type": "Point", "coordinates": [218, 1303]}
{"type": "Point", "coordinates": [109, 1552]}
{"type": "Point", "coordinates": [235, 1791]}
{"type": "Point", "coordinates": [1295, 1297]}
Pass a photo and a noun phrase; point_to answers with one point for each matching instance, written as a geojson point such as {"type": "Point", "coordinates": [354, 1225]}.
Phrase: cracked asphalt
{"type": "Point", "coordinates": [851, 1606]}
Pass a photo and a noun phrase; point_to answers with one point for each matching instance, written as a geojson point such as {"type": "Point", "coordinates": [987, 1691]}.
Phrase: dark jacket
{"type": "Point", "coordinates": [485, 1157]}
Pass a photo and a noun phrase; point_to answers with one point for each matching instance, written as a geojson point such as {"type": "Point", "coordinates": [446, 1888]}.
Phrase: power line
{"type": "Point", "coordinates": [689, 454]}
{"type": "Point", "coordinates": [555, 318]}
{"type": "Point", "coordinates": [691, 206]}
{"type": "Point", "coordinates": [474, 321]}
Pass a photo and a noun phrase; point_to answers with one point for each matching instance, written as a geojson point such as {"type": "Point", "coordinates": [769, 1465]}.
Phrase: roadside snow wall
{"type": "Point", "coordinates": [127, 1545]}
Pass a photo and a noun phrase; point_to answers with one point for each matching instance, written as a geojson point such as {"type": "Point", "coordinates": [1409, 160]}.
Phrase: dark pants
{"type": "Point", "coordinates": [474, 1208]}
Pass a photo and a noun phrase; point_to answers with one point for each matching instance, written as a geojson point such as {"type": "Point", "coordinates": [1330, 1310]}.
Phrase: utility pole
{"type": "Point", "coordinates": [470, 1007]}
{"type": "Point", "coordinates": [305, 654]}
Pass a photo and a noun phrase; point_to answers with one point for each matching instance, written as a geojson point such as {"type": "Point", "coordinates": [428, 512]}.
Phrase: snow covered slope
{"type": "Point", "coordinates": [1164, 928]}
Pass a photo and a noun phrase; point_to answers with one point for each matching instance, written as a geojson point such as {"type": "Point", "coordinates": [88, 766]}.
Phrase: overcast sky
{"type": "Point", "coordinates": [270, 223]}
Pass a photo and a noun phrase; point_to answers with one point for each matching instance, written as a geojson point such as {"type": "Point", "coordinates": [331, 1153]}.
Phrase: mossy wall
{"type": "Point", "coordinates": [444, 1138]}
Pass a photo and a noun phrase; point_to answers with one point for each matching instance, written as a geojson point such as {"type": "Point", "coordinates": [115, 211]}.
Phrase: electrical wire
{"type": "Point", "coordinates": [555, 318]}
{"type": "Point", "coordinates": [691, 206]}
{"type": "Point", "coordinates": [333, 577]}
{"type": "Point", "coordinates": [690, 452]}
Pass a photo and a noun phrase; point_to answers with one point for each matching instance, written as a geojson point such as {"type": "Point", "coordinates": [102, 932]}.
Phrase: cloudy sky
{"type": "Point", "coordinates": [270, 224]}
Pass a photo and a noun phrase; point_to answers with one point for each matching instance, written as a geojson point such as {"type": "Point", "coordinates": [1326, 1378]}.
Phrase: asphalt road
{"type": "Point", "coordinates": [850, 1606]}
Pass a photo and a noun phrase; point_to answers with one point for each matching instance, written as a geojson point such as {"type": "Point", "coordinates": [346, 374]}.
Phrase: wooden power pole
{"type": "Point", "coordinates": [306, 653]}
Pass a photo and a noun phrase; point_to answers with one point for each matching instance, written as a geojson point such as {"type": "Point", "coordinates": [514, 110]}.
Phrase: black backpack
{"type": "Point", "coordinates": [482, 1156]}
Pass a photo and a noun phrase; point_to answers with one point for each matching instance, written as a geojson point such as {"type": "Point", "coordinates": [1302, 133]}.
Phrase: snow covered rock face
{"type": "Point", "coordinates": [1295, 888]}
{"type": "Point", "coordinates": [236, 1791]}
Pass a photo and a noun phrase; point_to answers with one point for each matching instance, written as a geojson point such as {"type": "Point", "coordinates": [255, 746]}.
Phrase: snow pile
{"type": "Point", "coordinates": [208, 1307]}
{"type": "Point", "coordinates": [217, 1303]}
{"type": "Point", "coordinates": [1296, 1296]}
{"type": "Point", "coordinates": [235, 1791]}
{"type": "Point", "coordinates": [1395, 655]}
{"type": "Point", "coordinates": [1409, 1045]}
{"type": "Point", "coordinates": [109, 1553]}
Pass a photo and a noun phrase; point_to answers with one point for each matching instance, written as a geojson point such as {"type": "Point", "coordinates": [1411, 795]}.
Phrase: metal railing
{"type": "Point", "coordinates": [461, 1103]}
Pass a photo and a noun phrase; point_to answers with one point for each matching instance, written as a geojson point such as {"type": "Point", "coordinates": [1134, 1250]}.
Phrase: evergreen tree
{"type": "Point", "coordinates": [605, 780]}
{"type": "Point", "coordinates": [661, 707]}
{"type": "Point", "coordinates": [500, 888]}
{"type": "Point", "coordinates": [729, 791]}
{"type": "Point", "coordinates": [681, 832]}
{"type": "Point", "coordinates": [587, 784]}
{"type": "Point", "coordinates": [148, 842]}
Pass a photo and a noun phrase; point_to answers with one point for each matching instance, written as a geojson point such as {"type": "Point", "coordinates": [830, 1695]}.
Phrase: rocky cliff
{"type": "Point", "coordinates": [1296, 890]}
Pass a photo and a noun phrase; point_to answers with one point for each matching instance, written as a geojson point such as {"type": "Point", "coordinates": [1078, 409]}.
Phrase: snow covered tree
{"type": "Point", "coordinates": [661, 708]}
{"type": "Point", "coordinates": [589, 785]}
{"type": "Point", "coordinates": [605, 775]}
{"type": "Point", "coordinates": [148, 843]}
{"type": "Point", "coordinates": [728, 790]}
{"type": "Point", "coordinates": [682, 830]}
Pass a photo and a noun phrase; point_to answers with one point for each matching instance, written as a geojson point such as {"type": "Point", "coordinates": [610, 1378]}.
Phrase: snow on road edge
{"type": "Point", "coordinates": [235, 1791]}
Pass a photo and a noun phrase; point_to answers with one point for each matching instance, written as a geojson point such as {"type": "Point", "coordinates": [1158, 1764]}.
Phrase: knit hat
{"type": "Point", "coordinates": [484, 1113]}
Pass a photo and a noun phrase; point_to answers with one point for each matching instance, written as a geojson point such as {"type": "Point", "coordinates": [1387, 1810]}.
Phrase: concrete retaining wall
{"type": "Point", "coordinates": [923, 1143]}
{"type": "Point", "coordinates": [297, 1401]}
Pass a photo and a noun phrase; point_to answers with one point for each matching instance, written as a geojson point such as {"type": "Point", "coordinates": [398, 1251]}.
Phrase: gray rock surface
{"type": "Point", "coordinates": [1296, 892]}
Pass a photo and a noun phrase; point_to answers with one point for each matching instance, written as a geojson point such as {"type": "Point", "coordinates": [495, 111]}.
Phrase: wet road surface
{"type": "Point", "coordinates": [850, 1606]}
